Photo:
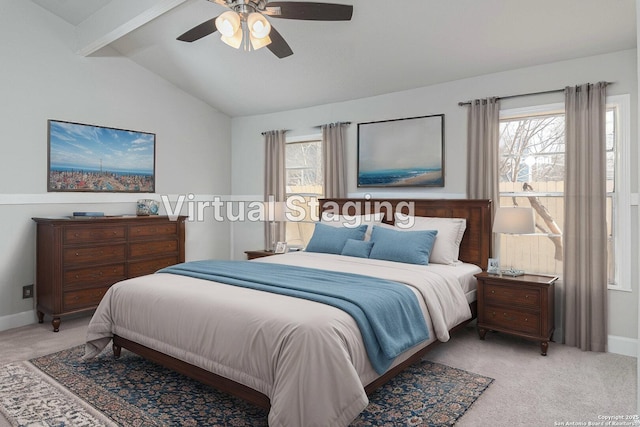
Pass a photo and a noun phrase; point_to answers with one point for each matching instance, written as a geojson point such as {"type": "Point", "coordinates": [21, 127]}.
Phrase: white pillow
{"type": "Point", "coordinates": [353, 221]}
{"type": "Point", "coordinates": [446, 249]}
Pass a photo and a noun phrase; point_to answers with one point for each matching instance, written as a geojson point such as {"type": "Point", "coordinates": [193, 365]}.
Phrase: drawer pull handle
{"type": "Point", "coordinates": [508, 317]}
{"type": "Point", "coordinates": [77, 254]}
{"type": "Point", "coordinates": [76, 235]}
{"type": "Point", "coordinates": [77, 277]}
{"type": "Point", "coordinates": [526, 297]}
{"type": "Point", "coordinates": [493, 292]}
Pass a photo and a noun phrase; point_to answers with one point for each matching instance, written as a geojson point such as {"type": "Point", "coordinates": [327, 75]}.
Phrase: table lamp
{"type": "Point", "coordinates": [514, 220]}
{"type": "Point", "coordinates": [276, 213]}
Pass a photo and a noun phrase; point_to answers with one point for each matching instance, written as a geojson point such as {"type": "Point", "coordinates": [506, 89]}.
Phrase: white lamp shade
{"type": "Point", "coordinates": [228, 23]}
{"type": "Point", "coordinates": [259, 27]}
{"type": "Point", "coordinates": [514, 220]}
{"type": "Point", "coordinates": [277, 211]}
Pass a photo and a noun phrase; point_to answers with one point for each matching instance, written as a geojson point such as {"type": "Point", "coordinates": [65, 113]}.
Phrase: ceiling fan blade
{"type": "Point", "coordinates": [199, 31]}
{"type": "Point", "coordinates": [278, 45]}
{"type": "Point", "coordinates": [311, 11]}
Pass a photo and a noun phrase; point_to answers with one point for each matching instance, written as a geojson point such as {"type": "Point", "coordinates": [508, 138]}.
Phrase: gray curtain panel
{"type": "Point", "coordinates": [275, 182]}
{"type": "Point", "coordinates": [483, 133]}
{"type": "Point", "coordinates": [483, 139]}
{"type": "Point", "coordinates": [585, 226]}
{"type": "Point", "coordinates": [333, 156]}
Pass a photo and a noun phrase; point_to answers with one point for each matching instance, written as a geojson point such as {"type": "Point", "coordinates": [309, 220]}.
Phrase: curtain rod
{"type": "Point", "coordinates": [334, 123]}
{"type": "Point", "coordinates": [283, 130]}
{"type": "Point", "coordinates": [524, 94]}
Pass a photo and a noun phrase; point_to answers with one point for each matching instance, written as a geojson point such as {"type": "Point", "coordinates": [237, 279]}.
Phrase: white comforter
{"type": "Point", "coordinates": [307, 357]}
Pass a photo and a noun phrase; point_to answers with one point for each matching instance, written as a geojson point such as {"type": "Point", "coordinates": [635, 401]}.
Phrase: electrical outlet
{"type": "Point", "coordinates": [27, 291]}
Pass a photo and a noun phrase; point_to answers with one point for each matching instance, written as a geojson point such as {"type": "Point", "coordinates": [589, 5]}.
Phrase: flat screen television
{"type": "Point", "coordinates": [93, 158]}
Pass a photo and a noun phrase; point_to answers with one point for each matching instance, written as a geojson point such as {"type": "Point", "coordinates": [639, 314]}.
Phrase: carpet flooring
{"type": "Point", "coordinates": [131, 391]}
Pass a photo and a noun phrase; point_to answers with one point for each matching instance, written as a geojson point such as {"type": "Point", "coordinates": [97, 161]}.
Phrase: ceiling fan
{"type": "Point", "coordinates": [246, 22]}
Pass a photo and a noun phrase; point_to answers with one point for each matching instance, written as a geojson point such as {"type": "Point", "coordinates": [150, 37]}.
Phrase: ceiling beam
{"type": "Point", "coordinates": [116, 19]}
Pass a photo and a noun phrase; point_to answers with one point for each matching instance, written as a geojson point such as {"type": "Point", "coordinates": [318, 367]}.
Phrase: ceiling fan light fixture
{"type": "Point", "coordinates": [259, 43]}
{"type": "Point", "coordinates": [228, 23]}
{"type": "Point", "coordinates": [258, 25]}
{"type": "Point", "coordinates": [234, 41]}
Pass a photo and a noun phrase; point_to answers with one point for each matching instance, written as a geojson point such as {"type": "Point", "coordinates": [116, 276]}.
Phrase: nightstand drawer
{"type": "Point", "coordinates": [512, 320]}
{"type": "Point", "coordinates": [511, 295]}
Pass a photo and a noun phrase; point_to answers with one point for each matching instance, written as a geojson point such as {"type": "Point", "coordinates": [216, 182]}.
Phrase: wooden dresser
{"type": "Point", "coordinates": [522, 306]}
{"type": "Point", "coordinates": [78, 259]}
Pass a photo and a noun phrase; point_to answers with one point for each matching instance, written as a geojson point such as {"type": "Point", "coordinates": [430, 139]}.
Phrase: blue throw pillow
{"type": "Point", "coordinates": [357, 248]}
{"type": "Point", "coordinates": [411, 247]}
{"type": "Point", "coordinates": [331, 240]}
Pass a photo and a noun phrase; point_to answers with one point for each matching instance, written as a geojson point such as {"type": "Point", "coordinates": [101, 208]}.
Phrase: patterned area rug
{"type": "Point", "coordinates": [131, 391]}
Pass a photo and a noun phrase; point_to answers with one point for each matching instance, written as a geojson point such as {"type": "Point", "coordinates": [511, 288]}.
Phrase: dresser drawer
{"type": "Point", "coordinates": [160, 247]}
{"type": "Point", "coordinates": [93, 235]}
{"type": "Point", "coordinates": [512, 320]}
{"type": "Point", "coordinates": [511, 295]}
{"type": "Point", "coordinates": [75, 300]}
{"type": "Point", "coordinates": [94, 255]}
{"type": "Point", "coordinates": [169, 229]}
{"type": "Point", "coordinates": [141, 268]}
{"type": "Point", "coordinates": [93, 277]}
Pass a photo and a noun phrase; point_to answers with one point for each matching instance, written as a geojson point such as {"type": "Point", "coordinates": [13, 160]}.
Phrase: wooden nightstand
{"type": "Point", "coordinates": [259, 254]}
{"type": "Point", "coordinates": [521, 306]}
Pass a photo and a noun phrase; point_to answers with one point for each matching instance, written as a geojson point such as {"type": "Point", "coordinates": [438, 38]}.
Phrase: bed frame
{"type": "Point", "coordinates": [474, 249]}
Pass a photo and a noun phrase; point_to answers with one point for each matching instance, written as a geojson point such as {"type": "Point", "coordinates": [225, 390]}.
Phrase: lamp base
{"type": "Point", "coordinates": [513, 272]}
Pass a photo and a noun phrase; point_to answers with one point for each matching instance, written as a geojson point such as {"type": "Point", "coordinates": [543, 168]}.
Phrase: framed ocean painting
{"type": "Point", "coordinates": [99, 159]}
{"type": "Point", "coordinates": [402, 152]}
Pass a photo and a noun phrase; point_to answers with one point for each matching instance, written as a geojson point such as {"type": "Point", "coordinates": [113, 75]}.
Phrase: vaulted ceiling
{"type": "Point", "coordinates": [388, 46]}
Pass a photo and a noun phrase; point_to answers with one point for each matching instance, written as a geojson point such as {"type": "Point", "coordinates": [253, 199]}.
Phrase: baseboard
{"type": "Point", "coordinates": [623, 345]}
{"type": "Point", "coordinates": [19, 319]}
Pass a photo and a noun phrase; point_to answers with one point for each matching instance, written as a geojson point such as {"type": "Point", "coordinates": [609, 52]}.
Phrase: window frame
{"type": "Point", "coordinates": [621, 196]}
{"type": "Point", "coordinates": [297, 140]}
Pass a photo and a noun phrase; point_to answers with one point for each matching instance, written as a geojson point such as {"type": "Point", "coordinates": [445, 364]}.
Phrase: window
{"type": "Point", "coordinates": [304, 176]}
{"type": "Point", "coordinates": [531, 169]}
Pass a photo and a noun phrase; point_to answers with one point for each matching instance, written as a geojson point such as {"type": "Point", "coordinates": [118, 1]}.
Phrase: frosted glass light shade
{"type": "Point", "coordinates": [258, 25]}
{"type": "Point", "coordinates": [235, 41]}
{"type": "Point", "coordinates": [228, 23]}
{"type": "Point", "coordinates": [514, 220]}
{"type": "Point", "coordinates": [259, 43]}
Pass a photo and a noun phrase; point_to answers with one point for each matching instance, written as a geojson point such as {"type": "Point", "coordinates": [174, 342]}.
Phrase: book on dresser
{"type": "Point", "coordinates": [78, 259]}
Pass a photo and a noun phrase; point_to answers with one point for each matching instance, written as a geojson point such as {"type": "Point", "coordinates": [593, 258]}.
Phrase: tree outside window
{"type": "Point", "coordinates": [531, 173]}
{"type": "Point", "coordinates": [304, 178]}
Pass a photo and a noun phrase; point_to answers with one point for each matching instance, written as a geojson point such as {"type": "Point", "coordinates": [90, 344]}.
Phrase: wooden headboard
{"type": "Point", "coordinates": [476, 243]}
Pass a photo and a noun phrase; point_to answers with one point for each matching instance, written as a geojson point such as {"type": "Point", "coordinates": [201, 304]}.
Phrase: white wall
{"type": "Point", "coordinates": [42, 78]}
{"type": "Point", "coordinates": [248, 146]}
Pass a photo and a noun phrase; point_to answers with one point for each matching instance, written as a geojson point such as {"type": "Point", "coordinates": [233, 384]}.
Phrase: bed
{"type": "Point", "coordinates": [303, 360]}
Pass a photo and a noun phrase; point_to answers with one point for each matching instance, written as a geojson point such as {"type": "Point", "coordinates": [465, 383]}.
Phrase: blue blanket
{"type": "Point", "coordinates": [387, 313]}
